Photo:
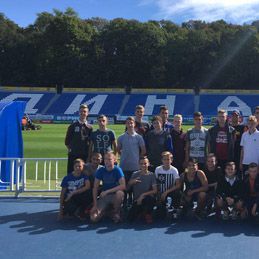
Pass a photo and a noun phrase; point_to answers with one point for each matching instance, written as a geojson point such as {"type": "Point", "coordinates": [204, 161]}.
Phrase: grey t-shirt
{"type": "Point", "coordinates": [198, 143]}
{"type": "Point", "coordinates": [130, 151]}
{"type": "Point", "coordinates": [146, 184]}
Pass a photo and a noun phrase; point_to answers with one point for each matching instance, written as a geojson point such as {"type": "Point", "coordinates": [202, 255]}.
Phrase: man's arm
{"type": "Point", "coordinates": [241, 159]}
{"type": "Point", "coordinates": [120, 187]}
{"type": "Point", "coordinates": [169, 143]}
{"type": "Point", "coordinates": [95, 191]}
{"type": "Point", "coordinates": [80, 190]}
{"type": "Point", "coordinates": [187, 149]}
{"type": "Point", "coordinates": [143, 195]}
{"type": "Point", "coordinates": [119, 146]}
{"type": "Point", "coordinates": [90, 151]}
{"type": "Point", "coordinates": [68, 137]}
{"type": "Point", "coordinates": [83, 189]}
{"type": "Point", "coordinates": [176, 187]}
{"type": "Point", "coordinates": [204, 183]}
{"type": "Point", "coordinates": [61, 202]}
{"type": "Point", "coordinates": [142, 146]}
{"type": "Point", "coordinates": [114, 146]}
{"type": "Point", "coordinates": [143, 150]}
{"type": "Point", "coordinates": [151, 192]}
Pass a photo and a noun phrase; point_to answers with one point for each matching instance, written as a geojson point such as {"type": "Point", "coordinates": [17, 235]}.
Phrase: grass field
{"type": "Point", "coordinates": [49, 143]}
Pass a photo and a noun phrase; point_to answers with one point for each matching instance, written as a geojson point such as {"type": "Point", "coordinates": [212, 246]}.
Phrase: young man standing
{"type": "Point", "coordinates": [112, 189]}
{"type": "Point", "coordinates": [141, 126]}
{"type": "Point", "coordinates": [103, 139]}
{"type": "Point", "coordinates": [157, 141]}
{"type": "Point", "coordinates": [222, 139]}
{"type": "Point", "coordinates": [78, 138]}
{"type": "Point", "coordinates": [250, 145]}
{"type": "Point", "coordinates": [131, 147]}
{"type": "Point", "coordinates": [164, 114]}
{"type": "Point", "coordinates": [239, 130]}
{"type": "Point", "coordinates": [197, 140]}
{"type": "Point", "coordinates": [179, 143]}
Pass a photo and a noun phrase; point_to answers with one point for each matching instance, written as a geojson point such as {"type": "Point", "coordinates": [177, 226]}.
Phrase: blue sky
{"type": "Point", "coordinates": [24, 12]}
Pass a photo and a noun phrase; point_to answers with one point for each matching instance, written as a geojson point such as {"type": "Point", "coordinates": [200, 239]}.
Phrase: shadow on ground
{"type": "Point", "coordinates": [46, 221]}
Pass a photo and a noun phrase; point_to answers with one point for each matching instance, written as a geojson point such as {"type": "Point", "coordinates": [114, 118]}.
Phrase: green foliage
{"type": "Point", "coordinates": [62, 48]}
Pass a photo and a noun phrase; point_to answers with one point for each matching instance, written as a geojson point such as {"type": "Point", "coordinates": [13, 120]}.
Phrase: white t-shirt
{"type": "Point", "coordinates": [250, 144]}
{"type": "Point", "coordinates": [166, 178]}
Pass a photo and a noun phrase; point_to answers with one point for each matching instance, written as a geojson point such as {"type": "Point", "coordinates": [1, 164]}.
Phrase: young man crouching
{"type": "Point", "coordinates": [112, 192]}
{"type": "Point", "coordinates": [230, 194]}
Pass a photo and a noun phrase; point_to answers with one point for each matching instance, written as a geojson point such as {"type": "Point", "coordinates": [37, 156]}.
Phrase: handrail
{"type": "Point", "coordinates": [42, 177]}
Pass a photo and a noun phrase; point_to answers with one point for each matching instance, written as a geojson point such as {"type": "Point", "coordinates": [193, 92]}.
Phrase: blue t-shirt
{"type": "Point", "coordinates": [73, 183]}
{"type": "Point", "coordinates": [111, 178]}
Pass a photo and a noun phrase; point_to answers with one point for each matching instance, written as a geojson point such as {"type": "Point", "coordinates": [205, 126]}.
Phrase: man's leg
{"type": "Point", "coordinates": [201, 203]}
{"type": "Point", "coordinates": [147, 207]}
{"type": "Point", "coordinates": [102, 204]}
{"type": "Point", "coordinates": [117, 202]}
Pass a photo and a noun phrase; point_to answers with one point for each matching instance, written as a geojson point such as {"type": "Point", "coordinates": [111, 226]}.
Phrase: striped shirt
{"type": "Point", "coordinates": [166, 178]}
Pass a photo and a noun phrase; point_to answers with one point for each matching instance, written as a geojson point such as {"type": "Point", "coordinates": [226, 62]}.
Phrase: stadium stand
{"type": "Point", "coordinates": [111, 103]}
{"type": "Point", "coordinates": [153, 102]}
{"type": "Point", "coordinates": [36, 102]}
{"type": "Point", "coordinates": [209, 103]}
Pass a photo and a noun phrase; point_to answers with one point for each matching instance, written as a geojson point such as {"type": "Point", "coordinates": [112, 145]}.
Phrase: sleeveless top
{"type": "Point", "coordinates": [194, 184]}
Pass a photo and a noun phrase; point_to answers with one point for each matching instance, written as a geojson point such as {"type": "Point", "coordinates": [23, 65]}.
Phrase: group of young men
{"type": "Point", "coordinates": [162, 170]}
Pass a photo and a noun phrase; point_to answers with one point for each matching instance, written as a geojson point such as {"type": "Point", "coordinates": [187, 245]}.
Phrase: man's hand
{"type": "Point", "coordinates": [103, 194]}
{"type": "Point", "coordinates": [135, 181]}
{"type": "Point", "coordinates": [190, 192]}
{"type": "Point", "coordinates": [69, 196]}
{"type": "Point", "coordinates": [163, 196]}
{"type": "Point", "coordinates": [140, 199]}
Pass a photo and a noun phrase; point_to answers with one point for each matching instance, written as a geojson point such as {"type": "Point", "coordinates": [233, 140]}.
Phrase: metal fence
{"type": "Point", "coordinates": [26, 175]}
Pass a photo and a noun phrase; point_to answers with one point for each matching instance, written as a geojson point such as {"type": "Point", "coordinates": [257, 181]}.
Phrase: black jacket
{"type": "Point", "coordinates": [224, 189]}
{"type": "Point", "coordinates": [213, 132]}
{"type": "Point", "coordinates": [78, 138]}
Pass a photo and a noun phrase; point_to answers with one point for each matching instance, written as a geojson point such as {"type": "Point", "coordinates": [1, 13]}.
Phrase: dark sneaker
{"type": "Point", "coordinates": [116, 218]}
{"type": "Point", "coordinates": [200, 215]}
{"type": "Point", "coordinates": [234, 215]}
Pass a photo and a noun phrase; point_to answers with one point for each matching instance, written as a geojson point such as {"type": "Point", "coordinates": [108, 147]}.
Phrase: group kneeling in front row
{"type": "Point", "coordinates": [97, 191]}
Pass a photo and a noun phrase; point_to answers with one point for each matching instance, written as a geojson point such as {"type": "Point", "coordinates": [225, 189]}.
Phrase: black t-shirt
{"type": "Point", "coordinates": [239, 130]}
{"type": "Point", "coordinates": [213, 176]}
{"type": "Point", "coordinates": [142, 127]}
{"type": "Point", "coordinates": [78, 138]}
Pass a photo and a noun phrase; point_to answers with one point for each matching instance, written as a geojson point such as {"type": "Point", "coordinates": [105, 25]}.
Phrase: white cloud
{"type": "Point", "coordinates": [237, 11]}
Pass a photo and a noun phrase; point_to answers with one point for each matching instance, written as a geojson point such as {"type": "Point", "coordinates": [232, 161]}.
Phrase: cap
{"type": "Point", "coordinates": [236, 112]}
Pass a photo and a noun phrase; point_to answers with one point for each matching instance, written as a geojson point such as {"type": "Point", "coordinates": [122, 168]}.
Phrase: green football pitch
{"type": "Point", "coordinates": [49, 143]}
